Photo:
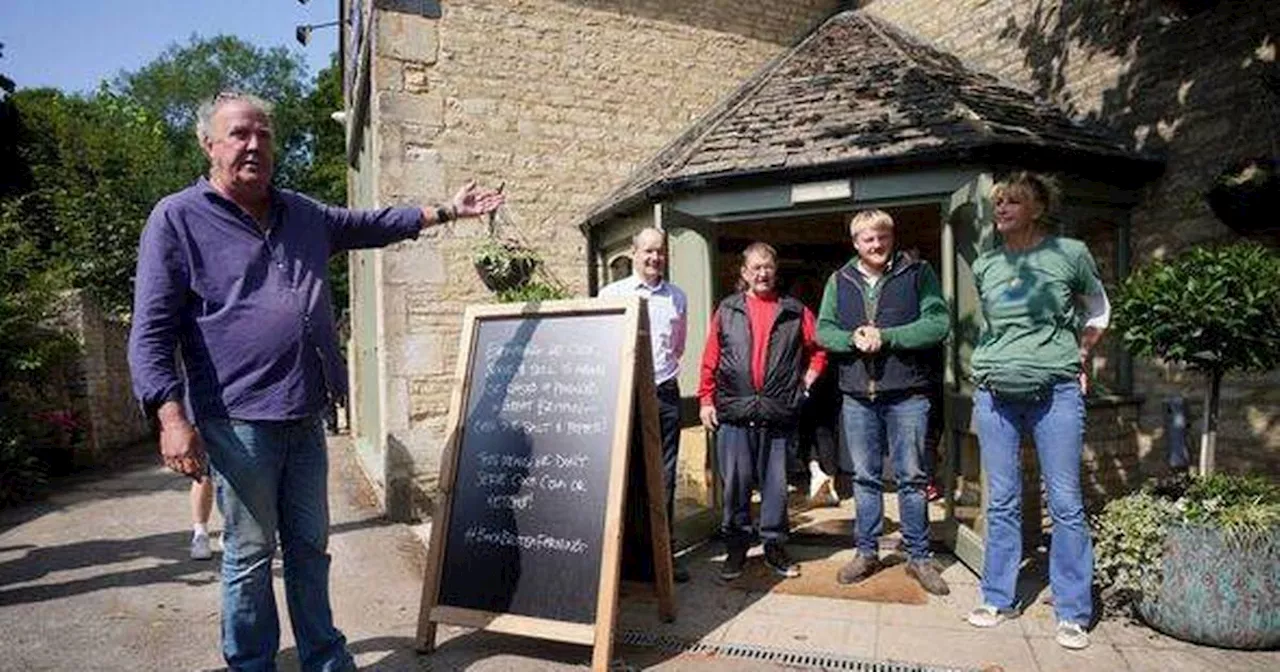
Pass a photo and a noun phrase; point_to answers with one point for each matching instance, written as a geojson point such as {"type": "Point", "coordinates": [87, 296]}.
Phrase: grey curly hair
{"type": "Point", "coordinates": [204, 113]}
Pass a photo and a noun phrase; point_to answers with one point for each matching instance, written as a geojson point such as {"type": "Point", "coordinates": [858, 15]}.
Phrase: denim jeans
{"type": "Point", "coordinates": [1056, 423]}
{"type": "Point", "coordinates": [753, 457]}
{"type": "Point", "coordinates": [899, 422]}
{"type": "Point", "coordinates": [271, 479]}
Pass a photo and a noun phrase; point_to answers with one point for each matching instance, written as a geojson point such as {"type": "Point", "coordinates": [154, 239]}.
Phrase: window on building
{"type": "Point", "coordinates": [619, 268]}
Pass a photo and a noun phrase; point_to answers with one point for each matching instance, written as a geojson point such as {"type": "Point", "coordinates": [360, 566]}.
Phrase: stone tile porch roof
{"type": "Point", "coordinates": [857, 93]}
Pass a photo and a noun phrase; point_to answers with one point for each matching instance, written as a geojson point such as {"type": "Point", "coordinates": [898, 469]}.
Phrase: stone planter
{"type": "Point", "coordinates": [1217, 595]}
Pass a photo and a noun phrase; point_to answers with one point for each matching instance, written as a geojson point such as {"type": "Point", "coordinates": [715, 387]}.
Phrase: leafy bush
{"type": "Point", "coordinates": [1213, 309]}
{"type": "Point", "coordinates": [1244, 508]}
{"type": "Point", "coordinates": [1130, 533]}
{"type": "Point", "coordinates": [21, 471]}
{"type": "Point", "coordinates": [533, 290]}
{"type": "Point", "coordinates": [29, 351]}
{"type": "Point", "coordinates": [1128, 539]}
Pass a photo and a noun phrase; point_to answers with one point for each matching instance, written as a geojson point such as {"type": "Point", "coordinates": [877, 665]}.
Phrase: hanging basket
{"type": "Point", "coordinates": [504, 265]}
{"type": "Point", "coordinates": [1246, 195]}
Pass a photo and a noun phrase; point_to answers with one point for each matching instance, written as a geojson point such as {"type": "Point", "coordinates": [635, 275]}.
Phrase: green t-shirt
{"type": "Point", "coordinates": [1028, 301]}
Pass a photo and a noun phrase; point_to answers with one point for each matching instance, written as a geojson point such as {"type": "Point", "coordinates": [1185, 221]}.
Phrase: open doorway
{"type": "Point", "coordinates": [810, 248]}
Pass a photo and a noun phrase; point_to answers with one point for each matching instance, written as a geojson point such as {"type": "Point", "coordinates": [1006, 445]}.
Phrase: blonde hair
{"type": "Point", "coordinates": [869, 219]}
{"type": "Point", "coordinates": [1042, 188]}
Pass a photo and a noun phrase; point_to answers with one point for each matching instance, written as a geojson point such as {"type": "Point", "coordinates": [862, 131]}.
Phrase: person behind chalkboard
{"type": "Point", "coordinates": [668, 310]}
{"type": "Point", "coordinates": [236, 271]}
{"type": "Point", "coordinates": [760, 359]}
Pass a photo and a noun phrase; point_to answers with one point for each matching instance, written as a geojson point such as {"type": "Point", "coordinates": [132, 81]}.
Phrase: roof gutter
{"type": "Point", "coordinates": [1129, 169]}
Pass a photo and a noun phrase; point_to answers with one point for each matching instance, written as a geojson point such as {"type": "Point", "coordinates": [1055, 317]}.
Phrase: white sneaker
{"type": "Point", "coordinates": [1071, 636]}
{"type": "Point", "coordinates": [822, 489]}
{"type": "Point", "coordinates": [986, 616]}
{"type": "Point", "coordinates": [200, 549]}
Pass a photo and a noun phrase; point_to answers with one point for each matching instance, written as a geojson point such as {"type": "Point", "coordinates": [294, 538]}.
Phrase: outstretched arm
{"type": "Point", "coordinates": [359, 229]}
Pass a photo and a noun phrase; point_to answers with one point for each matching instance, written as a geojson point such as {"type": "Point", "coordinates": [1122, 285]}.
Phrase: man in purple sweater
{"type": "Point", "coordinates": [232, 272]}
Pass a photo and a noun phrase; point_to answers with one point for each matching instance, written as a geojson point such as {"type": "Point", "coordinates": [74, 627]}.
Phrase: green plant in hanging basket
{"type": "Point", "coordinates": [504, 265]}
{"type": "Point", "coordinates": [1246, 195]}
{"type": "Point", "coordinates": [532, 291]}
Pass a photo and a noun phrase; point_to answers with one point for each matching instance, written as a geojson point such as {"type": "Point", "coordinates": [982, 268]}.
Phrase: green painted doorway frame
{"type": "Point", "coordinates": [963, 197]}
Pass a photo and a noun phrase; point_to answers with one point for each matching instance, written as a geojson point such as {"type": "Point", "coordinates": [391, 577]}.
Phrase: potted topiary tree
{"type": "Point", "coordinates": [1215, 310]}
{"type": "Point", "coordinates": [1212, 309]}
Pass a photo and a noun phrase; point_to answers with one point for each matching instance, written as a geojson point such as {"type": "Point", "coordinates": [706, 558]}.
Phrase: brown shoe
{"type": "Point", "coordinates": [859, 568]}
{"type": "Point", "coordinates": [926, 573]}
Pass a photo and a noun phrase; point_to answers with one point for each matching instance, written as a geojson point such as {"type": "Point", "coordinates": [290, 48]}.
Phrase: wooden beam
{"type": "Point", "coordinates": [515, 624]}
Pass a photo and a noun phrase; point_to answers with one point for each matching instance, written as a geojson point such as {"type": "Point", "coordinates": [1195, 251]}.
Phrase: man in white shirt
{"type": "Point", "coordinates": [668, 324]}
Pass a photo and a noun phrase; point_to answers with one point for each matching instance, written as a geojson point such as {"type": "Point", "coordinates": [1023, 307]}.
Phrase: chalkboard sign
{"type": "Point", "coordinates": [527, 538]}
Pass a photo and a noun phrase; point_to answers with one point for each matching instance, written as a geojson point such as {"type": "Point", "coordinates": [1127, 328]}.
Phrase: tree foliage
{"type": "Point", "coordinates": [325, 174]}
{"type": "Point", "coordinates": [172, 87]}
{"type": "Point", "coordinates": [97, 164]}
{"type": "Point", "coordinates": [79, 174]}
{"type": "Point", "coordinates": [1211, 309]}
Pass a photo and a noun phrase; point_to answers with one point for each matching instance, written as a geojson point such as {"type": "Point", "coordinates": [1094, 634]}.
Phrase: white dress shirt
{"type": "Point", "coordinates": [668, 321]}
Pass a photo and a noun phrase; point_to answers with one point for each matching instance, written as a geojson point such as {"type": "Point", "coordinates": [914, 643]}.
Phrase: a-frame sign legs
{"type": "Point", "coordinates": [642, 407]}
{"type": "Point", "coordinates": [655, 477]}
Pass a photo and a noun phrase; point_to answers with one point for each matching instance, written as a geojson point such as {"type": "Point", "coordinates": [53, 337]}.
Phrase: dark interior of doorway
{"type": "Point", "coordinates": [810, 248]}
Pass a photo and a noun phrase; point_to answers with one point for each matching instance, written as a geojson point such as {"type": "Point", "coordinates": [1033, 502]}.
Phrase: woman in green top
{"type": "Point", "coordinates": [1028, 366]}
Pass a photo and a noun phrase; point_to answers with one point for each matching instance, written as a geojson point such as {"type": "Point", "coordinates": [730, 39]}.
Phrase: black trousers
{"type": "Point", "coordinates": [669, 426]}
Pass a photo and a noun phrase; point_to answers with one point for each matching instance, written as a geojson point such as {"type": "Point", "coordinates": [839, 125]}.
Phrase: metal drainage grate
{"type": "Point", "coordinates": [810, 659]}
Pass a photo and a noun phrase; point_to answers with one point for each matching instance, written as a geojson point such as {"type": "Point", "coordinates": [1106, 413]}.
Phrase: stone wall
{"type": "Point", "coordinates": [556, 99]}
{"type": "Point", "coordinates": [1182, 82]}
{"type": "Point", "coordinates": [97, 385]}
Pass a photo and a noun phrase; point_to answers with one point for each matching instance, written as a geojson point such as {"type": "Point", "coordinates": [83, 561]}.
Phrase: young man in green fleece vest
{"type": "Point", "coordinates": [881, 315]}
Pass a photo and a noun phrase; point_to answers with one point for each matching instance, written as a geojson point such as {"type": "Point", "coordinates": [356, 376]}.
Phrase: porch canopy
{"type": "Point", "coordinates": [856, 95]}
{"type": "Point", "coordinates": [857, 115]}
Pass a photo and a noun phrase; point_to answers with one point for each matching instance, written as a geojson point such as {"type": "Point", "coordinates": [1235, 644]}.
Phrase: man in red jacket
{"type": "Point", "coordinates": [760, 359]}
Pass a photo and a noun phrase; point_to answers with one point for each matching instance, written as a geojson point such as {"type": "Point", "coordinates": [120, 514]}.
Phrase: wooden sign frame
{"type": "Point", "coordinates": [636, 398]}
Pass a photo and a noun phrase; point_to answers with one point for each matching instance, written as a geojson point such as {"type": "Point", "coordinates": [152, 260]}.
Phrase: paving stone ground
{"type": "Point", "coordinates": [97, 577]}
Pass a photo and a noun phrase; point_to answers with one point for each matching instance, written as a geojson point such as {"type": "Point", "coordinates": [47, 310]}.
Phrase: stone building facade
{"type": "Point", "coordinates": [558, 100]}
{"type": "Point", "coordinates": [1184, 78]}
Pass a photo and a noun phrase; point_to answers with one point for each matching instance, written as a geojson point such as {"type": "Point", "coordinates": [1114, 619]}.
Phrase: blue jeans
{"type": "Point", "coordinates": [1056, 423]}
{"type": "Point", "coordinates": [753, 457]}
{"type": "Point", "coordinates": [271, 479]}
{"type": "Point", "coordinates": [899, 422]}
